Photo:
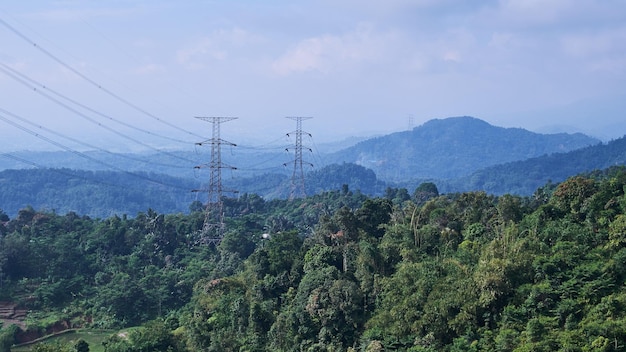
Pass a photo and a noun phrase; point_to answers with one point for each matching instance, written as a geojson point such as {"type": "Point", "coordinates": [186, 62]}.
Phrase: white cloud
{"type": "Point", "coordinates": [202, 51]}
{"type": "Point", "coordinates": [218, 46]}
{"type": "Point", "coordinates": [396, 51]}
{"type": "Point", "coordinates": [452, 55]}
{"type": "Point", "coordinates": [424, 57]}
{"type": "Point", "coordinates": [600, 51]}
{"type": "Point", "coordinates": [149, 69]}
{"type": "Point", "coordinates": [329, 53]}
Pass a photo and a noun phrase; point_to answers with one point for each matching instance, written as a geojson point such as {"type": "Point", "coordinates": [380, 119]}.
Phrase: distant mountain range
{"type": "Point", "coordinates": [441, 148]}
{"type": "Point", "coordinates": [524, 177]}
{"type": "Point", "coordinates": [457, 154]}
{"type": "Point", "coordinates": [453, 147]}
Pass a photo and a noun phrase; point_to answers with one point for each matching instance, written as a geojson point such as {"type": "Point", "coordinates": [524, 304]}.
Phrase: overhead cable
{"type": "Point", "coordinates": [81, 154]}
{"type": "Point", "coordinates": [43, 93]}
{"type": "Point", "coordinates": [60, 171]}
{"type": "Point", "coordinates": [6, 67]}
{"type": "Point", "coordinates": [91, 81]}
{"type": "Point", "coordinates": [126, 156]}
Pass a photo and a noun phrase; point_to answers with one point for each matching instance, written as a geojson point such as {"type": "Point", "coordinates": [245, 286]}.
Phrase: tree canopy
{"type": "Point", "coordinates": [337, 271]}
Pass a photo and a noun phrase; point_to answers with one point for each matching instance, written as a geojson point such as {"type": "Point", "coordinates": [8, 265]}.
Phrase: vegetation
{"type": "Point", "coordinates": [458, 154]}
{"type": "Point", "coordinates": [94, 193]}
{"type": "Point", "coordinates": [104, 193]}
{"type": "Point", "coordinates": [453, 147]}
{"type": "Point", "coordinates": [523, 177]}
{"type": "Point", "coordinates": [338, 271]}
{"type": "Point", "coordinates": [441, 149]}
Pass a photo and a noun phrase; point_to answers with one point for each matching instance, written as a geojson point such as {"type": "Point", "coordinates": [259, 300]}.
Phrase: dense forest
{"type": "Point", "coordinates": [106, 193]}
{"type": "Point", "coordinates": [523, 177]}
{"type": "Point", "coordinates": [338, 271]}
{"type": "Point", "coordinates": [93, 193]}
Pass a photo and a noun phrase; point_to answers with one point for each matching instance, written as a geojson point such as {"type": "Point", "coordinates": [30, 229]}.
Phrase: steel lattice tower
{"type": "Point", "coordinates": [297, 178]}
{"type": "Point", "coordinates": [213, 228]}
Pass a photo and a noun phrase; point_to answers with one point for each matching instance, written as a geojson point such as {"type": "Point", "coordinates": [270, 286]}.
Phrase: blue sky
{"type": "Point", "coordinates": [359, 68]}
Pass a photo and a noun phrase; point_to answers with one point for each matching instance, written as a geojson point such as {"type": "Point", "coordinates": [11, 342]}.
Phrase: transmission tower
{"type": "Point", "coordinates": [297, 179]}
{"type": "Point", "coordinates": [213, 228]}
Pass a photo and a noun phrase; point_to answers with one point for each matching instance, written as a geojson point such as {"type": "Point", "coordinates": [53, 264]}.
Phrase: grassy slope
{"type": "Point", "coordinates": [93, 337]}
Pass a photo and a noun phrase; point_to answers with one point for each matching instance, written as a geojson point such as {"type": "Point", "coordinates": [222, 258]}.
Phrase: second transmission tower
{"type": "Point", "coordinates": [297, 179]}
{"type": "Point", "coordinates": [214, 227]}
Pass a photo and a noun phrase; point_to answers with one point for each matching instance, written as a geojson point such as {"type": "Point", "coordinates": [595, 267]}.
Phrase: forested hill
{"type": "Point", "coordinates": [94, 193]}
{"type": "Point", "coordinates": [410, 158]}
{"type": "Point", "coordinates": [453, 147]}
{"type": "Point", "coordinates": [439, 149]}
{"type": "Point", "coordinates": [103, 193]}
{"type": "Point", "coordinates": [337, 271]}
{"type": "Point", "coordinates": [106, 193]}
{"type": "Point", "coordinates": [523, 177]}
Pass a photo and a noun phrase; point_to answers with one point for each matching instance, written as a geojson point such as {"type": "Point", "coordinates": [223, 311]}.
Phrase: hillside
{"type": "Point", "coordinates": [453, 147]}
{"type": "Point", "coordinates": [524, 177]}
{"type": "Point", "coordinates": [440, 148]}
{"type": "Point", "coordinates": [106, 193]}
{"type": "Point", "coordinates": [93, 193]}
{"type": "Point", "coordinates": [337, 271]}
{"type": "Point", "coordinates": [458, 154]}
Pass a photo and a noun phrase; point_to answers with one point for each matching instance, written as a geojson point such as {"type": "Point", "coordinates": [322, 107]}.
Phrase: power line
{"type": "Point", "coordinates": [91, 81]}
{"type": "Point", "coordinates": [22, 78]}
{"type": "Point", "coordinates": [83, 155]}
{"type": "Point", "coordinates": [264, 146]}
{"type": "Point", "coordinates": [56, 170]}
{"type": "Point", "coordinates": [134, 58]}
{"type": "Point", "coordinates": [316, 153]}
{"type": "Point", "coordinates": [254, 167]}
{"type": "Point", "coordinates": [125, 156]}
{"type": "Point", "coordinates": [84, 116]}
{"type": "Point", "coordinates": [93, 177]}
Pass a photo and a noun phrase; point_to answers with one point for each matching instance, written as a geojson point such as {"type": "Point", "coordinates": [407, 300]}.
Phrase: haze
{"type": "Point", "coordinates": [357, 67]}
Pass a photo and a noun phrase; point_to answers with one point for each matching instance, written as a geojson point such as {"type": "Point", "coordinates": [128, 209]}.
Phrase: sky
{"type": "Point", "coordinates": [119, 74]}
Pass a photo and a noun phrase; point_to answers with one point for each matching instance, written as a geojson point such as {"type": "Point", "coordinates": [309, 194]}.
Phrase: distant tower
{"type": "Point", "coordinates": [214, 227]}
{"type": "Point", "coordinates": [411, 122]}
{"type": "Point", "coordinates": [297, 179]}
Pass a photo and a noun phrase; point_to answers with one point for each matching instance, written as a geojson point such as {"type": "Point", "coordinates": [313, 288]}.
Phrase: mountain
{"type": "Point", "coordinates": [524, 177]}
{"type": "Point", "coordinates": [457, 154]}
{"type": "Point", "coordinates": [441, 149]}
{"type": "Point", "coordinates": [453, 147]}
{"type": "Point", "coordinates": [104, 193]}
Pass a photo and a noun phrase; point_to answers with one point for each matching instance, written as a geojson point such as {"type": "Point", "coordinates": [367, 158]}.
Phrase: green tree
{"type": "Point", "coordinates": [154, 336]}
{"type": "Point", "coordinates": [572, 196]}
{"type": "Point", "coordinates": [424, 192]}
{"type": "Point", "coordinates": [7, 337]}
{"type": "Point", "coordinates": [282, 250]}
{"type": "Point", "coordinates": [373, 214]}
{"type": "Point", "coordinates": [52, 347]}
{"type": "Point", "coordinates": [81, 346]}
